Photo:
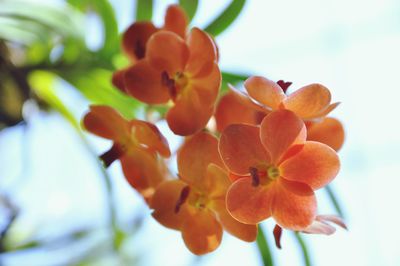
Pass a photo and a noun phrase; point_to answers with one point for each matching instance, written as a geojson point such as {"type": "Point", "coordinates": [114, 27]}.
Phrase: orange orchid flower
{"type": "Point", "coordinates": [135, 38]}
{"type": "Point", "coordinates": [235, 107]}
{"type": "Point", "coordinates": [276, 170]}
{"type": "Point", "coordinates": [311, 102]}
{"type": "Point", "coordinates": [136, 144]}
{"type": "Point", "coordinates": [195, 203]}
{"type": "Point", "coordinates": [183, 71]}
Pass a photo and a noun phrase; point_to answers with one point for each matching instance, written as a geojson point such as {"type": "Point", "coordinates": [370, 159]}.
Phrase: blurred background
{"type": "Point", "coordinates": [59, 207]}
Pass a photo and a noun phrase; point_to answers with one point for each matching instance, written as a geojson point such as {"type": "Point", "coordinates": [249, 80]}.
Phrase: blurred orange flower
{"type": "Point", "coordinates": [195, 203]}
{"type": "Point", "coordinates": [184, 71]}
{"type": "Point", "coordinates": [135, 38]}
{"type": "Point", "coordinates": [276, 170]}
{"type": "Point", "coordinates": [136, 144]}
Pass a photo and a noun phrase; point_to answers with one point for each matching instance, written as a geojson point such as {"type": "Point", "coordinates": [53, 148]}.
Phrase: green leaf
{"type": "Point", "coordinates": [226, 18]}
{"type": "Point", "coordinates": [335, 202]}
{"type": "Point", "coordinates": [58, 18]}
{"type": "Point", "coordinates": [263, 248]}
{"type": "Point", "coordinates": [234, 77]}
{"type": "Point", "coordinates": [304, 250]}
{"type": "Point", "coordinates": [95, 85]}
{"type": "Point", "coordinates": [106, 12]}
{"type": "Point", "coordinates": [144, 10]}
{"type": "Point", "coordinates": [190, 7]}
{"type": "Point", "coordinates": [42, 83]}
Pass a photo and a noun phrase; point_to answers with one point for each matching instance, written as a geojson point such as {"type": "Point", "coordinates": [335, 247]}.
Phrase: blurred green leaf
{"type": "Point", "coordinates": [22, 31]}
{"type": "Point", "coordinates": [95, 85]}
{"type": "Point", "coordinates": [144, 10]}
{"type": "Point", "coordinates": [55, 16]}
{"type": "Point", "coordinates": [106, 12]}
{"type": "Point", "coordinates": [190, 7]}
{"type": "Point", "coordinates": [42, 83]}
{"type": "Point", "coordinates": [333, 199]}
{"type": "Point", "coordinates": [234, 77]}
{"type": "Point", "coordinates": [263, 248]}
{"type": "Point", "coordinates": [225, 19]}
{"type": "Point", "coordinates": [304, 249]}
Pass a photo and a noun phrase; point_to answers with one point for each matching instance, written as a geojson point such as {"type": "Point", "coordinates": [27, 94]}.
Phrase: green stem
{"type": "Point", "coordinates": [333, 198]}
{"type": "Point", "coordinates": [304, 250]}
{"type": "Point", "coordinates": [263, 248]}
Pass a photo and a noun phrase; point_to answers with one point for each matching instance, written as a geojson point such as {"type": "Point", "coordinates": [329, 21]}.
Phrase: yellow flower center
{"type": "Point", "coordinates": [273, 172]}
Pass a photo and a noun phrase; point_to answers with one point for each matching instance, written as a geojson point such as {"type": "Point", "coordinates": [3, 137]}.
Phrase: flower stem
{"type": "Point", "coordinates": [263, 248]}
{"type": "Point", "coordinates": [335, 202]}
{"type": "Point", "coordinates": [304, 250]}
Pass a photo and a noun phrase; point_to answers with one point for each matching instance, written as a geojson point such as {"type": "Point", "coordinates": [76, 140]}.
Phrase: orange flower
{"type": "Point", "coordinates": [276, 170]}
{"type": "Point", "coordinates": [185, 72]}
{"type": "Point", "coordinates": [135, 38]}
{"type": "Point", "coordinates": [329, 131]}
{"type": "Point", "coordinates": [195, 203]}
{"type": "Point", "coordinates": [236, 107]}
{"type": "Point", "coordinates": [136, 144]}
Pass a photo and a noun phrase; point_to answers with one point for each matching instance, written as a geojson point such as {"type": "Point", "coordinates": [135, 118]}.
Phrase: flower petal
{"type": "Point", "coordinates": [142, 170]}
{"type": "Point", "coordinates": [245, 232]}
{"type": "Point", "coordinates": [315, 165]}
{"type": "Point", "coordinates": [135, 38]}
{"type": "Point", "coordinates": [216, 182]}
{"type": "Point", "coordinates": [194, 157]}
{"type": "Point", "coordinates": [176, 20]}
{"type": "Point", "coordinates": [245, 99]}
{"type": "Point", "coordinates": [118, 79]}
{"type": "Point", "coordinates": [240, 147]}
{"type": "Point", "coordinates": [164, 203]}
{"type": "Point", "coordinates": [330, 132]}
{"type": "Point", "coordinates": [144, 83]}
{"type": "Point", "coordinates": [308, 101]}
{"type": "Point", "coordinates": [294, 204]}
{"type": "Point", "coordinates": [166, 51]}
{"type": "Point", "coordinates": [206, 87]}
{"type": "Point", "coordinates": [106, 122]}
{"type": "Point", "coordinates": [202, 53]}
{"type": "Point", "coordinates": [247, 203]}
{"type": "Point", "coordinates": [280, 130]}
{"type": "Point", "coordinates": [188, 115]}
{"type": "Point", "coordinates": [148, 134]}
{"type": "Point", "coordinates": [265, 91]}
{"type": "Point", "coordinates": [201, 232]}
{"type": "Point", "coordinates": [318, 227]}
{"type": "Point", "coordinates": [231, 111]}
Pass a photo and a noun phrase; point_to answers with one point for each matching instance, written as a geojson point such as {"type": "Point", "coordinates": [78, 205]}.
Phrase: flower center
{"type": "Point", "coordinates": [273, 172]}
{"type": "Point", "coordinates": [175, 84]}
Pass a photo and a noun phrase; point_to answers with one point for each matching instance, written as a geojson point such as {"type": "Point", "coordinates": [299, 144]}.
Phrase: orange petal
{"type": "Point", "coordinates": [164, 202]}
{"type": "Point", "coordinates": [118, 79]}
{"type": "Point", "coordinates": [330, 132]}
{"type": "Point", "coordinates": [265, 91]}
{"type": "Point", "coordinates": [201, 232]}
{"type": "Point", "coordinates": [144, 83]}
{"type": "Point", "coordinates": [189, 115]}
{"type": "Point", "coordinates": [245, 232]}
{"type": "Point", "coordinates": [106, 122]}
{"type": "Point", "coordinates": [176, 20]}
{"type": "Point", "coordinates": [168, 52]}
{"type": "Point", "coordinates": [216, 182]}
{"type": "Point", "coordinates": [142, 170]}
{"type": "Point", "coordinates": [247, 203]}
{"type": "Point", "coordinates": [194, 157]}
{"type": "Point", "coordinates": [246, 100]}
{"type": "Point", "coordinates": [148, 134]}
{"type": "Point", "coordinates": [202, 53]}
{"type": "Point", "coordinates": [135, 38]}
{"type": "Point", "coordinates": [232, 111]}
{"type": "Point", "coordinates": [280, 130]}
{"type": "Point", "coordinates": [206, 86]}
{"type": "Point", "coordinates": [309, 101]}
{"type": "Point", "coordinates": [294, 205]}
{"type": "Point", "coordinates": [241, 148]}
{"type": "Point", "coordinates": [315, 165]}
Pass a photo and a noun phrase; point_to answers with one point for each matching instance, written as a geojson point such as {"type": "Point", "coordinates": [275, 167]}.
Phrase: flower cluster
{"type": "Point", "coordinates": [270, 152]}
